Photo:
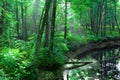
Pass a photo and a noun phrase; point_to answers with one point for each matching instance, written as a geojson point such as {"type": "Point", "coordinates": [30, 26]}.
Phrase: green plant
{"type": "Point", "coordinates": [52, 61]}
{"type": "Point", "coordinates": [14, 62]}
{"type": "Point", "coordinates": [3, 76]}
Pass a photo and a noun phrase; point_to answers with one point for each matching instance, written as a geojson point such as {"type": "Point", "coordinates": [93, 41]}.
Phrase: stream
{"type": "Point", "coordinates": [105, 66]}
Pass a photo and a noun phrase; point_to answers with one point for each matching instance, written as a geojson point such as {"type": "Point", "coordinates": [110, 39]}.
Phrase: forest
{"type": "Point", "coordinates": [59, 39]}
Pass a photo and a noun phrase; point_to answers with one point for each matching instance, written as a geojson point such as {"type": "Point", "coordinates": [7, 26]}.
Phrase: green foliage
{"type": "Point", "coordinates": [3, 76]}
{"type": "Point", "coordinates": [51, 61]}
{"type": "Point", "coordinates": [24, 46]}
{"type": "Point", "coordinates": [73, 37]}
{"type": "Point", "coordinates": [60, 45]}
{"type": "Point", "coordinates": [14, 62]}
{"type": "Point", "coordinates": [82, 39]}
{"type": "Point", "coordinates": [16, 55]}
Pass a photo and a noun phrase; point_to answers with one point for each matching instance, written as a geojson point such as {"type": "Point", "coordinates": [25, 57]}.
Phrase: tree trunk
{"type": "Point", "coordinates": [1, 23]}
{"type": "Point", "coordinates": [24, 29]}
{"type": "Point", "coordinates": [105, 18]}
{"type": "Point", "coordinates": [65, 30]}
{"type": "Point", "coordinates": [92, 20]}
{"type": "Point", "coordinates": [2, 20]}
{"type": "Point", "coordinates": [53, 27]}
{"type": "Point", "coordinates": [100, 16]}
{"type": "Point", "coordinates": [35, 15]}
{"type": "Point", "coordinates": [47, 32]}
{"type": "Point", "coordinates": [41, 29]}
{"type": "Point", "coordinates": [115, 16]}
{"type": "Point", "coordinates": [17, 20]}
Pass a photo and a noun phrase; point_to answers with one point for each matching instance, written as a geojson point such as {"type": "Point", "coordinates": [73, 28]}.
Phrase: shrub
{"type": "Point", "coordinates": [52, 61]}
{"type": "Point", "coordinates": [13, 62]}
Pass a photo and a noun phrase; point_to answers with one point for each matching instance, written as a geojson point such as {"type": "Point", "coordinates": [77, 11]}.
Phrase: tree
{"type": "Point", "coordinates": [53, 27]}
{"type": "Point", "coordinates": [35, 15]}
{"type": "Point", "coordinates": [23, 14]}
{"type": "Point", "coordinates": [41, 28]}
{"type": "Point", "coordinates": [2, 19]}
{"type": "Point", "coordinates": [65, 30]}
{"type": "Point", "coordinates": [17, 19]}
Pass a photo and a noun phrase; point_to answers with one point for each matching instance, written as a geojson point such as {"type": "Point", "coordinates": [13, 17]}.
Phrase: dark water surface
{"type": "Point", "coordinates": [105, 66]}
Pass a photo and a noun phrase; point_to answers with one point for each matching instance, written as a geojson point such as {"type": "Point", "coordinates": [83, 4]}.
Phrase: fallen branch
{"type": "Point", "coordinates": [78, 62]}
{"type": "Point", "coordinates": [76, 66]}
{"type": "Point", "coordinates": [87, 49]}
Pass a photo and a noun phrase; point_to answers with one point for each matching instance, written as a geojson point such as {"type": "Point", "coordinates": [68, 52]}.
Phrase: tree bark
{"type": "Point", "coordinates": [65, 30]}
{"type": "Point", "coordinates": [105, 18]}
{"type": "Point", "coordinates": [53, 27]}
{"type": "Point", "coordinates": [17, 20]}
{"type": "Point", "coordinates": [47, 33]}
{"type": "Point", "coordinates": [115, 16]}
{"type": "Point", "coordinates": [41, 29]}
{"type": "Point", "coordinates": [2, 19]}
{"type": "Point", "coordinates": [24, 29]}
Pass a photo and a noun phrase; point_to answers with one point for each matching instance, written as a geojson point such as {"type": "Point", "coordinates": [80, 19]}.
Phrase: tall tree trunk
{"type": "Point", "coordinates": [17, 20]}
{"type": "Point", "coordinates": [97, 20]}
{"type": "Point", "coordinates": [1, 23]}
{"type": "Point", "coordinates": [41, 28]}
{"type": "Point", "coordinates": [53, 27]}
{"type": "Point", "coordinates": [115, 16]}
{"type": "Point", "coordinates": [105, 18]}
{"type": "Point", "coordinates": [100, 17]}
{"type": "Point", "coordinates": [2, 19]}
{"type": "Point", "coordinates": [47, 32]}
{"type": "Point", "coordinates": [35, 15]}
{"type": "Point", "coordinates": [24, 29]}
{"type": "Point", "coordinates": [47, 28]}
{"type": "Point", "coordinates": [25, 17]}
{"type": "Point", "coordinates": [92, 20]}
{"type": "Point", "coordinates": [65, 30]}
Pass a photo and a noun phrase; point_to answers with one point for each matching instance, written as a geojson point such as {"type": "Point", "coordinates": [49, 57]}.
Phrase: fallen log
{"type": "Point", "coordinates": [89, 48]}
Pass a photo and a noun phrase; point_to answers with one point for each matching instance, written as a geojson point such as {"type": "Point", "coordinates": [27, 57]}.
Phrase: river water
{"type": "Point", "coordinates": [105, 66]}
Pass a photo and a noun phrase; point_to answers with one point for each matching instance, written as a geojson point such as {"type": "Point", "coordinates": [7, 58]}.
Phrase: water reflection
{"type": "Point", "coordinates": [107, 67]}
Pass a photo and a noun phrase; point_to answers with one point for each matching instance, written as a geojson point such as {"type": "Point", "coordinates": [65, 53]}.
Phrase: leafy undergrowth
{"type": "Point", "coordinates": [13, 64]}
{"type": "Point", "coordinates": [16, 60]}
{"type": "Point", "coordinates": [53, 61]}
{"type": "Point", "coordinates": [74, 40]}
